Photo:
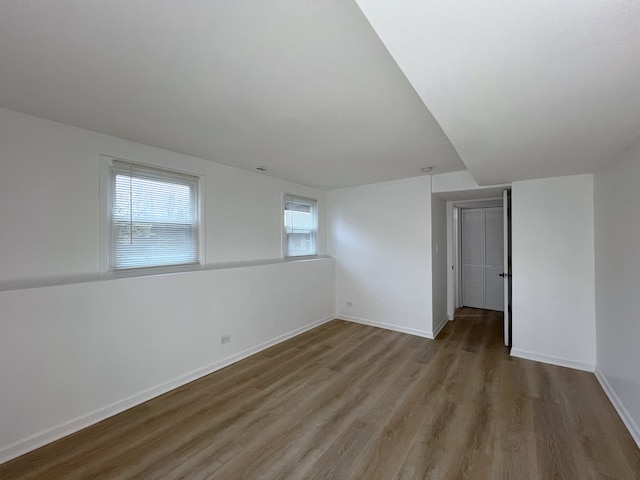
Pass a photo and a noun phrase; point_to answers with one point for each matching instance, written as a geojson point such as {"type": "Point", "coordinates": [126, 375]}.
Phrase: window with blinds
{"type": "Point", "coordinates": [154, 217]}
{"type": "Point", "coordinates": [300, 226]}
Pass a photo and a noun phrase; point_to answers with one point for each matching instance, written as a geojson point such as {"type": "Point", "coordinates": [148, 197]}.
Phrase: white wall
{"type": "Point", "coordinates": [72, 355]}
{"type": "Point", "coordinates": [617, 227]}
{"type": "Point", "coordinates": [454, 181]}
{"type": "Point", "coordinates": [440, 269]}
{"type": "Point", "coordinates": [50, 178]}
{"type": "Point", "coordinates": [380, 237]}
{"type": "Point", "coordinates": [462, 186]}
{"type": "Point", "coordinates": [69, 353]}
{"type": "Point", "coordinates": [553, 271]}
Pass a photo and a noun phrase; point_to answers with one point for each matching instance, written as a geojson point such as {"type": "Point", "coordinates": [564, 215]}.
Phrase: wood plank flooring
{"type": "Point", "coordinates": [347, 401]}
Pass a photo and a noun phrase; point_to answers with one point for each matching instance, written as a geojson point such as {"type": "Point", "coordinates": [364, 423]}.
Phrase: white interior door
{"type": "Point", "coordinates": [472, 258]}
{"type": "Point", "coordinates": [506, 231]}
{"type": "Point", "coordinates": [482, 258]}
{"type": "Point", "coordinates": [494, 259]}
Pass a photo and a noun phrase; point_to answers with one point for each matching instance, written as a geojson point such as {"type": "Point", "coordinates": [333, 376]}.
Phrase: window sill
{"type": "Point", "coordinates": [300, 257]}
{"type": "Point", "coordinates": [146, 271]}
{"type": "Point", "coordinates": [23, 284]}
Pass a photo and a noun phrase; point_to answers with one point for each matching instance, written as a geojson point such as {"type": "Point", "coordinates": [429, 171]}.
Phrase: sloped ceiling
{"type": "Point", "coordinates": [305, 88]}
{"type": "Point", "coordinates": [524, 89]}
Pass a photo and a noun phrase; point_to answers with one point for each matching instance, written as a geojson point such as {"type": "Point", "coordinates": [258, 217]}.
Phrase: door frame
{"type": "Point", "coordinates": [454, 244]}
{"type": "Point", "coordinates": [507, 273]}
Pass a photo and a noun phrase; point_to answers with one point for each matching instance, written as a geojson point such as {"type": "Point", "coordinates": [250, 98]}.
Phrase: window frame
{"type": "Point", "coordinates": [315, 207]}
{"type": "Point", "coordinates": [106, 221]}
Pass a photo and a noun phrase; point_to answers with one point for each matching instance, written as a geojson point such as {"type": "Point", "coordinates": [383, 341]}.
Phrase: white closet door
{"type": "Point", "coordinates": [494, 258]}
{"type": "Point", "coordinates": [472, 258]}
{"type": "Point", "coordinates": [482, 258]}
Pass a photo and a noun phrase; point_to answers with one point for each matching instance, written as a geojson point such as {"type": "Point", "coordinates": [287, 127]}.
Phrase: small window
{"type": "Point", "coordinates": [300, 226]}
{"type": "Point", "coordinates": [154, 217]}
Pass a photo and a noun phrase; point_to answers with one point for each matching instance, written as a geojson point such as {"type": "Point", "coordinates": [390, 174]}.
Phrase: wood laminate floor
{"type": "Point", "coordinates": [348, 401]}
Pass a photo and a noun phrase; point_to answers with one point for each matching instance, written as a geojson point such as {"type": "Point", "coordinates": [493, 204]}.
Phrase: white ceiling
{"type": "Point", "coordinates": [303, 87]}
{"type": "Point", "coordinates": [523, 88]}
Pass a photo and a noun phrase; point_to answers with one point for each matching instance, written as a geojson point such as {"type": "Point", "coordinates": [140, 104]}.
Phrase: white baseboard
{"type": "Point", "coordinates": [42, 438]}
{"type": "Point", "coordinates": [559, 361]}
{"type": "Point", "coordinates": [388, 326]}
{"type": "Point", "coordinates": [438, 329]}
{"type": "Point", "coordinates": [625, 416]}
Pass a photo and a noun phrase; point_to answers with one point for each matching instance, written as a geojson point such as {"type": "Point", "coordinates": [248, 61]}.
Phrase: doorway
{"type": "Point", "coordinates": [497, 281]}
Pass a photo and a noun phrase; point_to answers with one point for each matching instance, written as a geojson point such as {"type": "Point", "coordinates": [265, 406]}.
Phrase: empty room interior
{"type": "Point", "coordinates": [320, 239]}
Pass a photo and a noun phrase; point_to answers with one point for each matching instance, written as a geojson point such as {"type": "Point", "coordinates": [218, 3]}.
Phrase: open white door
{"type": "Point", "coordinates": [506, 200]}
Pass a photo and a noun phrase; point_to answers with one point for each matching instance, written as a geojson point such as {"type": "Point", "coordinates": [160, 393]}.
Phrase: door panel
{"type": "Point", "coordinates": [473, 286]}
{"type": "Point", "coordinates": [494, 250]}
{"type": "Point", "coordinates": [472, 242]}
{"type": "Point", "coordinates": [494, 258]}
{"type": "Point", "coordinates": [472, 258]}
{"type": "Point", "coordinates": [494, 288]}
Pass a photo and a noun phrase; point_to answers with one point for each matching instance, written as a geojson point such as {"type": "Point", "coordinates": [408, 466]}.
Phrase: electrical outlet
{"type": "Point", "coordinates": [225, 338]}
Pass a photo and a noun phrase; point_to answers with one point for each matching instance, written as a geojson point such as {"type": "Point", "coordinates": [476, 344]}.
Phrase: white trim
{"type": "Point", "coordinates": [59, 431]}
{"type": "Point", "coordinates": [388, 326]}
{"type": "Point", "coordinates": [57, 281]}
{"type": "Point", "coordinates": [457, 226]}
{"type": "Point", "coordinates": [202, 204]}
{"type": "Point", "coordinates": [438, 329]}
{"type": "Point", "coordinates": [104, 213]}
{"type": "Point", "coordinates": [553, 360]}
{"type": "Point", "coordinates": [625, 416]}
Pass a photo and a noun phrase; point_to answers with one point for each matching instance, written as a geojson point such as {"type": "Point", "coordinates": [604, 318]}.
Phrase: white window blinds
{"type": "Point", "coordinates": [154, 217]}
{"type": "Point", "coordinates": [300, 226]}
